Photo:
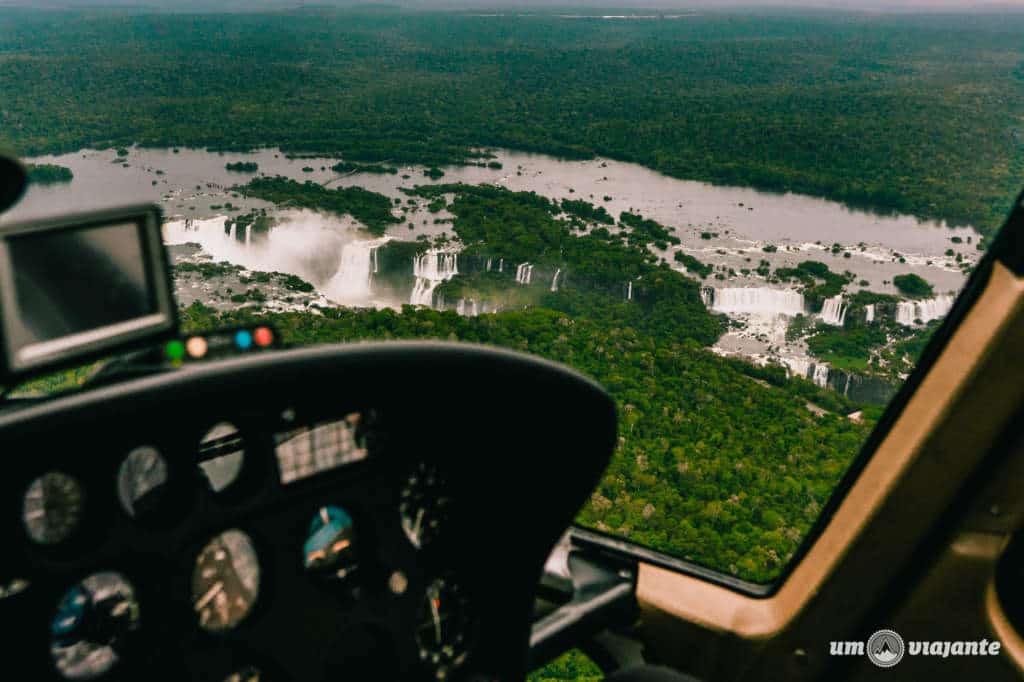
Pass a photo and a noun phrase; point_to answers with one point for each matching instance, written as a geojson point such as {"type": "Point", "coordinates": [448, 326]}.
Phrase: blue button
{"type": "Point", "coordinates": [243, 339]}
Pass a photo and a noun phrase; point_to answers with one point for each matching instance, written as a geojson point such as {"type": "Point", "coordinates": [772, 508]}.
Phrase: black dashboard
{"type": "Point", "coordinates": [374, 511]}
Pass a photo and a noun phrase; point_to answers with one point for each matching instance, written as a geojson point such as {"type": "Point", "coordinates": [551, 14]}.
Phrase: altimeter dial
{"type": "Point", "coordinates": [423, 505]}
{"type": "Point", "coordinates": [52, 508]}
{"type": "Point", "coordinates": [444, 629]}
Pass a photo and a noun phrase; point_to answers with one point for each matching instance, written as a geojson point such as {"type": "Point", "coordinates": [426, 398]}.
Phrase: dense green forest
{"type": "Point", "coordinates": [912, 113]}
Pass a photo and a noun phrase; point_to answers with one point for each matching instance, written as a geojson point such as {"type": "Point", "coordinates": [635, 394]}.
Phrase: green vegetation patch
{"type": "Point", "coordinates": [587, 211]}
{"type": "Point", "coordinates": [48, 174]}
{"type": "Point", "coordinates": [819, 282]}
{"type": "Point", "coordinates": [243, 166]}
{"type": "Point", "coordinates": [913, 286]}
{"type": "Point", "coordinates": [348, 167]}
{"type": "Point", "coordinates": [693, 265]}
{"type": "Point", "coordinates": [370, 208]}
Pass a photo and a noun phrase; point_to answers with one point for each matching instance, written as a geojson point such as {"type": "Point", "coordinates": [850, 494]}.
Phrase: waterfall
{"type": "Point", "coordinates": [501, 265]}
{"type": "Point", "coordinates": [869, 313]}
{"type": "Point", "coordinates": [354, 279]}
{"type": "Point", "coordinates": [629, 291]}
{"type": "Point", "coordinates": [707, 296]}
{"type": "Point", "coordinates": [758, 300]}
{"type": "Point", "coordinates": [846, 388]}
{"type": "Point", "coordinates": [248, 235]}
{"type": "Point", "coordinates": [554, 280]}
{"type": "Point", "coordinates": [488, 268]}
{"type": "Point", "coordinates": [805, 369]}
{"type": "Point", "coordinates": [430, 269]}
{"type": "Point", "coordinates": [798, 367]}
{"type": "Point", "coordinates": [833, 311]}
{"type": "Point", "coordinates": [467, 308]}
{"type": "Point", "coordinates": [931, 309]}
{"type": "Point", "coordinates": [523, 273]}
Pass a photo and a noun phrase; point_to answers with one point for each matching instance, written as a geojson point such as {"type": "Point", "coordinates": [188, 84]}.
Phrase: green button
{"type": "Point", "coordinates": [175, 350]}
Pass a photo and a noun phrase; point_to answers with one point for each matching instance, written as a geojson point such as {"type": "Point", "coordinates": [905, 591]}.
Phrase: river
{"type": "Point", "coordinates": [727, 227]}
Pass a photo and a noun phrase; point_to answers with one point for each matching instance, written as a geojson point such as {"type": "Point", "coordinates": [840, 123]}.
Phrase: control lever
{"type": "Point", "coordinates": [603, 596]}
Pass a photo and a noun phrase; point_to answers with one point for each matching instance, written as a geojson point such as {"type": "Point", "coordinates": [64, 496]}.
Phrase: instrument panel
{"type": "Point", "coordinates": [230, 522]}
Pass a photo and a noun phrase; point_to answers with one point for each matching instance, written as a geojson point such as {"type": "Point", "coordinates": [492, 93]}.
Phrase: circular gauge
{"type": "Point", "coordinates": [141, 481]}
{"type": "Point", "coordinates": [329, 547]}
{"type": "Point", "coordinates": [94, 620]}
{"type": "Point", "coordinates": [443, 629]}
{"type": "Point", "coordinates": [221, 455]}
{"type": "Point", "coordinates": [52, 508]}
{"type": "Point", "coordinates": [225, 581]}
{"type": "Point", "coordinates": [423, 505]}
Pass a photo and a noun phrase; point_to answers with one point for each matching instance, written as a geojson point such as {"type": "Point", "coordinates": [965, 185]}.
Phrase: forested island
{"type": "Point", "coordinates": [917, 114]}
{"type": "Point", "coordinates": [370, 208]}
{"type": "Point", "coordinates": [48, 174]}
{"type": "Point", "coordinates": [242, 167]}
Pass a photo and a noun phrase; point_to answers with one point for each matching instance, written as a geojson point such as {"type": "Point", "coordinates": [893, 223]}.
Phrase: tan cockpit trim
{"type": "Point", "coordinates": [931, 435]}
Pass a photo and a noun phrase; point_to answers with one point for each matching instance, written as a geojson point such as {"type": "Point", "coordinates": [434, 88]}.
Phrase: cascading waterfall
{"type": "Point", "coordinates": [488, 265]}
{"type": "Point", "coordinates": [629, 291]}
{"type": "Point", "coordinates": [523, 273]}
{"type": "Point", "coordinates": [467, 308]}
{"type": "Point", "coordinates": [805, 369]}
{"type": "Point", "coordinates": [554, 280]}
{"type": "Point", "coordinates": [798, 367]}
{"type": "Point", "coordinates": [248, 235]}
{"type": "Point", "coordinates": [869, 313]}
{"type": "Point", "coordinates": [430, 269]}
{"type": "Point", "coordinates": [501, 265]}
{"type": "Point", "coordinates": [707, 296]}
{"type": "Point", "coordinates": [354, 279]}
{"type": "Point", "coordinates": [756, 300]}
{"type": "Point", "coordinates": [931, 309]}
{"type": "Point", "coordinates": [833, 311]}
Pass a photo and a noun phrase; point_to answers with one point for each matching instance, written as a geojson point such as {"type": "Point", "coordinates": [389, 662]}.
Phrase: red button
{"type": "Point", "coordinates": [263, 336]}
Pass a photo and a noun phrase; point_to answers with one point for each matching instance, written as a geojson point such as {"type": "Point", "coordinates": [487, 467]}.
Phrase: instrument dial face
{"type": "Point", "coordinates": [225, 582]}
{"type": "Point", "coordinates": [52, 508]}
{"type": "Point", "coordinates": [141, 482]}
{"type": "Point", "coordinates": [444, 627]}
{"type": "Point", "coordinates": [221, 456]}
{"type": "Point", "coordinates": [330, 543]}
{"type": "Point", "coordinates": [423, 505]}
{"type": "Point", "coordinates": [92, 625]}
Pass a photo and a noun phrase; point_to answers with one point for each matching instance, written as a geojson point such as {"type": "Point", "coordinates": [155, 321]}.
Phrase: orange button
{"type": "Point", "coordinates": [263, 336]}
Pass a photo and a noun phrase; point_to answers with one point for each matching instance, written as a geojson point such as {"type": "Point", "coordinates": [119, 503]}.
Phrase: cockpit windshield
{"type": "Point", "coordinates": [745, 224]}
